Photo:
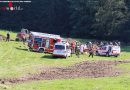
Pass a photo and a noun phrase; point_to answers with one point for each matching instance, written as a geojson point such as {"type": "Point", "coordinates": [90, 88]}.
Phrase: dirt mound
{"type": "Point", "coordinates": [84, 69]}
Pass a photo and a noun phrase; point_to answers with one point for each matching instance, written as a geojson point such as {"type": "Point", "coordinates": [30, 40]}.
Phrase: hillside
{"type": "Point", "coordinates": [80, 18]}
{"type": "Point", "coordinates": [21, 69]}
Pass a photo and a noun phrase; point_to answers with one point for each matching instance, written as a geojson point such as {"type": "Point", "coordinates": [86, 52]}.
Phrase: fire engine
{"type": "Point", "coordinates": [43, 42]}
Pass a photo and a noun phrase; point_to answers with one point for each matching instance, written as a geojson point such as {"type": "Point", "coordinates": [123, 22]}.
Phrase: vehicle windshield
{"type": "Point", "coordinates": [59, 47]}
{"type": "Point", "coordinates": [38, 39]}
{"type": "Point", "coordinates": [116, 48]}
{"type": "Point", "coordinates": [103, 48]}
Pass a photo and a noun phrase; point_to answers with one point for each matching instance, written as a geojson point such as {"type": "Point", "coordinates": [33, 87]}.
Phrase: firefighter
{"type": "Point", "coordinates": [91, 51]}
{"type": "Point", "coordinates": [24, 39]}
{"type": "Point", "coordinates": [72, 47]}
{"type": "Point", "coordinates": [71, 50]}
{"type": "Point", "coordinates": [77, 50]}
{"type": "Point", "coordinates": [109, 50]}
{"type": "Point", "coordinates": [82, 49]}
{"type": "Point", "coordinates": [8, 37]}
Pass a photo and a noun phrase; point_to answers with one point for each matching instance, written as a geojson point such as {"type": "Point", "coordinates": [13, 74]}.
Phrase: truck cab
{"type": "Point", "coordinates": [43, 42]}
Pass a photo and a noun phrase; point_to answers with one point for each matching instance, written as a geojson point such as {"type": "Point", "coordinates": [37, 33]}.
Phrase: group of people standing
{"type": "Point", "coordinates": [78, 48]}
{"type": "Point", "coordinates": [89, 47]}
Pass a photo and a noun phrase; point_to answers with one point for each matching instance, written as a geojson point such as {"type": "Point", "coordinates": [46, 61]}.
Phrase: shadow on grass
{"type": "Point", "coordinates": [104, 56]}
{"type": "Point", "coordinates": [51, 57]}
{"type": "Point", "coordinates": [21, 49]}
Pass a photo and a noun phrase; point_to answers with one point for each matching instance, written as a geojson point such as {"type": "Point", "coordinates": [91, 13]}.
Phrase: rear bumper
{"type": "Point", "coordinates": [117, 54]}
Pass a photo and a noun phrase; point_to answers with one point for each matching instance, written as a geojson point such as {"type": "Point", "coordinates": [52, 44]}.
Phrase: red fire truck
{"type": "Point", "coordinates": [43, 42]}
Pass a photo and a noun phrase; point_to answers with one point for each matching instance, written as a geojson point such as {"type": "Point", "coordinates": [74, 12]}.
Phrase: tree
{"type": "Point", "coordinates": [109, 18]}
{"type": "Point", "coordinates": [82, 16]}
{"type": "Point", "coordinates": [50, 16]}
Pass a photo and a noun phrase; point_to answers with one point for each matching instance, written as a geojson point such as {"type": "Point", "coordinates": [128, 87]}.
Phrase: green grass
{"type": "Point", "coordinates": [113, 83]}
{"type": "Point", "coordinates": [16, 61]}
{"type": "Point", "coordinates": [13, 34]}
{"type": "Point", "coordinates": [84, 84]}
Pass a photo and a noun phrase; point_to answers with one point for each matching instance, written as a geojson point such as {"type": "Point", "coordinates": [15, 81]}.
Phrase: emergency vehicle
{"type": "Point", "coordinates": [109, 50]}
{"type": "Point", "coordinates": [62, 50]}
{"type": "Point", "coordinates": [23, 34]}
{"type": "Point", "coordinates": [43, 42]}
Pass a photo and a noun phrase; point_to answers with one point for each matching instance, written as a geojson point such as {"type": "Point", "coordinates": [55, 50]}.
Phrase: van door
{"type": "Point", "coordinates": [47, 43]}
{"type": "Point", "coordinates": [52, 43]}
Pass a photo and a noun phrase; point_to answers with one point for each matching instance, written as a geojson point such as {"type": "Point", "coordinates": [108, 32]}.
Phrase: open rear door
{"type": "Point", "coordinates": [47, 45]}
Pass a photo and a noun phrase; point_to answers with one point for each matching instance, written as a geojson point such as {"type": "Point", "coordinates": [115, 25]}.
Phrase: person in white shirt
{"type": "Point", "coordinates": [82, 49]}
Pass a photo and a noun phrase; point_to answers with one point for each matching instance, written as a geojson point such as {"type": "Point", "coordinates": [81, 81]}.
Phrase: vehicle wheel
{"type": "Point", "coordinates": [30, 49]}
{"type": "Point", "coordinates": [66, 57]}
{"type": "Point", "coordinates": [41, 50]}
{"type": "Point", "coordinates": [53, 56]}
{"type": "Point", "coordinates": [116, 55]}
{"type": "Point", "coordinates": [17, 39]}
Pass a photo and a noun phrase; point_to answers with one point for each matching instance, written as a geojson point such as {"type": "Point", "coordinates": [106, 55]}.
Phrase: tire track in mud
{"type": "Point", "coordinates": [84, 69]}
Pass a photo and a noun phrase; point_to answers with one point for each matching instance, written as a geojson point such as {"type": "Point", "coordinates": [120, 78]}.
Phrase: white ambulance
{"type": "Point", "coordinates": [109, 50]}
{"type": "Point", "coordinates": [62, 49]}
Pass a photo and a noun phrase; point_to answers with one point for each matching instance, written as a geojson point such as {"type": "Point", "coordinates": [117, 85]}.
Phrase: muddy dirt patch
{"type": "Point", "coordinates": [85, 69]}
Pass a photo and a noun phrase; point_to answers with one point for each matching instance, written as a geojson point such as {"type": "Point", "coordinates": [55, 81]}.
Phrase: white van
{"type": "Point", "coordinates": [109, 50]}
{"type": "Point", "coordinates": [62, 50]}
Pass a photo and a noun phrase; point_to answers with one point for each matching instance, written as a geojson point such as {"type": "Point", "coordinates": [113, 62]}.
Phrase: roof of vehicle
{"type": "Point", "coordinates": [61, 43]}
{"type": "Point", "coordinates": [110, 46]}
{"type": "Point", "coordinates": [39, 34]}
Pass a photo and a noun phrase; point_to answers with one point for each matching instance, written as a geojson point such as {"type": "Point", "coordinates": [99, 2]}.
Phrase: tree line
{"type": "Point", "coordinates": [100, 19]}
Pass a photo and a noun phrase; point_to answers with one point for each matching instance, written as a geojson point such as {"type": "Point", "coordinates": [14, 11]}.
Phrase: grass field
{"type": "Point", "coordinates": [16, 61]}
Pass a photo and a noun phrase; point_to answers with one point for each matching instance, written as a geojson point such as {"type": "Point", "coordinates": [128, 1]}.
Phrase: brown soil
{"type": "Point", "coordinates": [85, 69]}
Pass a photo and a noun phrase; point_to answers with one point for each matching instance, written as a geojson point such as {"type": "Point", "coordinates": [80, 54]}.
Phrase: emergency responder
{"type": "Point", "coordinates": [119, 43]}
{"type": "Point", "coordinates": [91, 51]}
{"type": "Point", "coordinates": [109, 50]}
{"type": "Point", "coordinates": [8, 37]}
{"type": "Point", "coordinates": [73, 47]}
{"type": "Point", "coordinates": [24, 39]}
{"type": "Point", "coordinates": [77, 49]}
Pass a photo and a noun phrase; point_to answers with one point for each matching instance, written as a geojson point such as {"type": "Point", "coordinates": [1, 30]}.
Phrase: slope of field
{"type": "Point", "coordinates": [17, 61]}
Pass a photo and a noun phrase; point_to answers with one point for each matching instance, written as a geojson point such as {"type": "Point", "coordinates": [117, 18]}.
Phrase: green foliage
{"type": "Point", "coordinates": [102, 19]}
{"type": "Point", "coordinates": [82, 17]}
{"type": "Point", "coordinates": [41, 15]}
{"type": "Point", "coordinates": [110, 18]}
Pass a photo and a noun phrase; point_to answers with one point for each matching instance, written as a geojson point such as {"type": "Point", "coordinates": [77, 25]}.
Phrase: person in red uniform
{"type": "Point", "coordinates": [72, 48]}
